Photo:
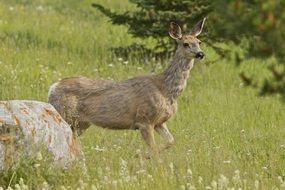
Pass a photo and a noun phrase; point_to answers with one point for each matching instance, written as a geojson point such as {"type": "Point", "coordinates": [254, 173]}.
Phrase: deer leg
{"type": "Point", "coordinates": [163, 131]}
{"type": "Point", "coordinates": [78, 127]}
{"type": "Point", "coordinates": [82, 126]}
{"type": "Point", "coordinates": [148, 136]}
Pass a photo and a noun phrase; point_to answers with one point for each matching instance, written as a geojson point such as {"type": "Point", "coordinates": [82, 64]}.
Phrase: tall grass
{"type": "Point", "coordinates": [225, 135]}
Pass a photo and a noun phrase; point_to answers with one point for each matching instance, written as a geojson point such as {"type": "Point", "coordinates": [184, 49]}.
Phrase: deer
{"type": "Point", "coordinates": [141, 103]}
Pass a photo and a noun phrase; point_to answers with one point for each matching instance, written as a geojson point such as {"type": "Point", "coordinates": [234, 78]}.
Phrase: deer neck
{"type": "Point", "coordinates": [176, 75]}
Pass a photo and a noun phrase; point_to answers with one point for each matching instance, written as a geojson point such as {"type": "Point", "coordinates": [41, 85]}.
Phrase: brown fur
{"type": "Point", "coordinates": [144, 102]}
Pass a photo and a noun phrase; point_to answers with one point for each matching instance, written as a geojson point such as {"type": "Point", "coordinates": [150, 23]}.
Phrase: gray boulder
{"type": "Point", "coordinates": [26, 127]}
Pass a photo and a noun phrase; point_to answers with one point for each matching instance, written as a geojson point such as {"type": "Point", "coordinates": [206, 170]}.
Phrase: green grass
{"type": "Point", "coordinates": [221, 128]}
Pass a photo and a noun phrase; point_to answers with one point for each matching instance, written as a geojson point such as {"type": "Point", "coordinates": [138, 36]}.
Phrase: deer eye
{"type": "Point", "coordinates": [185, 44]}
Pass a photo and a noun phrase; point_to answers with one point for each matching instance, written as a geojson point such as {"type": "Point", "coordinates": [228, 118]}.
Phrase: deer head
{"type": "Point", "coordinates": [188, 44]}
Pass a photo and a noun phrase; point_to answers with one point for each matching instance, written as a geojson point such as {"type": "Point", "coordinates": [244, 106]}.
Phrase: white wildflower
{"type": "Point", "coordinates": [22, 184]}
{"type": "Point", "coordinates": [134, 178]}
{"type": "Point", "coordinates": [227, 161]}
{"type": "Point", "coordinates": [98, 149]}
{"type": "Point", "coordinates": [171, 166]}
{"type": "Point", "coordinates": [223, 182]}
{"type": "Point", "coordinates": [236, 177]}
{"type": "Point", "coordinates": [82, 185]}
{"type": "Point", "coordinates": [37, 165]}
{"type": "Point", "coordinates": [189, 173]}
{"type": "Point", "coordinates": [141, 172]}
{"type": "Point", "coordinates": [39, 156]}
{"type": "Point", "coordinates": [282, 182]}
{"type": "Point", "coordinates": [17, 187]}
{"type": "Point", "coordinates": [150, 177]}
{"type": "Point", "coordinates": [125, 62]}
{"type": "Point", "coordinates": [106, 179]}
{"type": "Point", "coordinates": [280, 179]}
{"type": "Point", "coordinates": [191, 187]}
{"type": "Point", "coordinates": [115, 182]}
{"type": "Point", "coordinates": [123, 168]}
{"type": "Point", "coordinates": [256, 184]}
{"type": "Point", "coordinates": [200, 180]}
{"type": "Point", "coordinates": [189, 152]}
{"type": "Point", "coordinates": [138, 151]}
{"type": "Point", "coordinates": [214, 184]}
{"type": "Point", "coordinates": [188, 185]}
{"type": "Point", "coordinates": [45, 186]}
{"type": "Point", "coordinates": [93, 187]}
{"type": "Point", "coordinates": [40, 8]}
{"type": "Point", "coordinates": [110, 65]}
{"type": "Point", "coordinates": [127, 179]}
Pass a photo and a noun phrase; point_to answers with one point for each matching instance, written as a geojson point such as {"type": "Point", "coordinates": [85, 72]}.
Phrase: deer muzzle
{"type": "Point", "coordinates": [199, 55]}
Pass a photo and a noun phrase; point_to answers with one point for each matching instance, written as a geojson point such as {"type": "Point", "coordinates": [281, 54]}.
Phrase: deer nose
{"type": "Point", "coordinates": [199, 55]}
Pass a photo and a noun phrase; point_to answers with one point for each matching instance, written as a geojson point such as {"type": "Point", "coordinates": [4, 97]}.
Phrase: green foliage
{"type": "Point", "coordinates": [259, 23]}
{"type": "Point", "coordinates": [151, 19]}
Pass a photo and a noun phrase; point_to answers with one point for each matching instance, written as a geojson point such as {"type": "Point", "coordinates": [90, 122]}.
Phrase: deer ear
{"type": "Point", "coordinates": [197, 29]}
{"type": "Point", "coordinates": [175, 31]}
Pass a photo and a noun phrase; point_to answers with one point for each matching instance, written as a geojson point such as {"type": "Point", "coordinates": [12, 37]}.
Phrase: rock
{"type": "Point", "coordinates": [26, 127]}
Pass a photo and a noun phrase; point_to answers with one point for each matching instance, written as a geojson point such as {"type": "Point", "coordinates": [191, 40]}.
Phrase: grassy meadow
{"type": "Point", "coordinates": [226, 137]}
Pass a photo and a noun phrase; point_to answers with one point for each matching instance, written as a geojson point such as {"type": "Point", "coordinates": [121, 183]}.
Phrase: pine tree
{"type": "Point", "coordinates": [261, 25]}
{"type": "Point", "coordinates": [152, 18]}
